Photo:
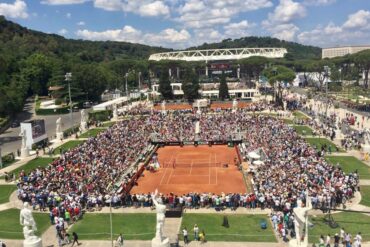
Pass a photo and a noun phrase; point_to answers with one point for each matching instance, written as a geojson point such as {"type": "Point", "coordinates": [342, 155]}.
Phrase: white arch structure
{"type": "Point", "coordinates": [219, 54]}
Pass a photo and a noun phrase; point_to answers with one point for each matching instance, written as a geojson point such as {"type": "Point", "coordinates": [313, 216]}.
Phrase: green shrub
{"type": "Point", "coordinates": [100, 115]}
{"type": "Point", "coordinates": [71, 131]}
{"type": "Point", "coordinates": [58, 101]}
{"type": "Point", "coordinates": [9, 158]}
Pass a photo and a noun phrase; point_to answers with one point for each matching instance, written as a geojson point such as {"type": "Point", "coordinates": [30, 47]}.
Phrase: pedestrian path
{"type": "Point", "coordinates": [172, 228]}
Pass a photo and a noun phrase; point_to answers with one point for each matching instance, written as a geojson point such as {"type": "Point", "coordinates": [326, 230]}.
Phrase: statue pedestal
{"type": "Point", "coordinates": [59, 136]}
{"type": "Point", "coordinates": [366, 148]}
{"type": "Point", "coordinates": [83, 126]}
{"type": "Point", "coordinates": [156, 242]}
{"type": "Point", "coordinates": [25, 152]}
{"type": "Point", "coordinates": [37, 242]}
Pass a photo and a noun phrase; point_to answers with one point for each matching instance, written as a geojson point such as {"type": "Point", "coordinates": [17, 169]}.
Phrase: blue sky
{"type": "Point", "coordinates": [184, 23]}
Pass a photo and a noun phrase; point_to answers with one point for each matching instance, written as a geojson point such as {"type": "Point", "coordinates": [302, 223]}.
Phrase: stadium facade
{"type": "Point", "coordinates": [342, 51]}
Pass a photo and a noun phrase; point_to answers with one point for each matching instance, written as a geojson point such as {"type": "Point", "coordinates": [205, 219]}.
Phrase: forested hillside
{"type": "Point", "coordinates": [295, 50]}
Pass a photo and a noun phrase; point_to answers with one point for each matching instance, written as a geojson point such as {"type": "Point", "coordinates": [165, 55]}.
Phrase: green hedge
{"type": "Point", "coordinates": [8, 159]}
{"type": "Point", "coordinates": [4, 121]}
{"type": "Point", "coordinates": [100, 115]}
{"type": "Point", "coordinates": [71, 131]}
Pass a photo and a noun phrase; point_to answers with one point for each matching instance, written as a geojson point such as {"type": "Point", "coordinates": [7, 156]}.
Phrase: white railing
{"type": "Point", "coordinates": [219, 54]}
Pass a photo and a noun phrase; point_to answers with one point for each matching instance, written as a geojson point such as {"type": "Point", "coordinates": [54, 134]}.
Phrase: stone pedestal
{"type": "Point", "coordinates": [366, 148]}
{"type": "Point", "coordinates": [25, 152]}
{"type": "Point", "coordinates": [59, 136]}
{"type": "Point", "coordinates": [83, 126]}
{"type": "Point", "coordinates": [37, 242]}
{"type": "Point", "coordinates": [157, 242]}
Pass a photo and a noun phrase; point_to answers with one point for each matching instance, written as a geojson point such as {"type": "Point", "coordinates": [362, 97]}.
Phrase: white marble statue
{"type": "Point", "coordinates": [29, 227]}
{"type": "Point", "coordinates": [115, 112]}
{"type": "Point", "coordinates": [23, 135]}
{"type": "Point", "coordinates": [83, 124]}
{"type": "Point", "coordinates": [163, 106]}
{"type": "Point", "coordinates": [301, 223]}
{"type": "Point", "coordinates": [59, 125]}
{"type": "Point", "coordinates": [235, 105]}
{"type": "Point", "coordinates": [199, 108]}
{"type": "Point", "coordinates": [159, 240]}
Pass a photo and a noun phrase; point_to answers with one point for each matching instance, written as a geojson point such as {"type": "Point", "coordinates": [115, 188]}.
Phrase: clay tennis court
{"type": "Point", "coordinates": [174, 107]}
{"type": "Point", "coordinates": [193, 169]}
{"type": "Point", "coordinates": [228, 105]}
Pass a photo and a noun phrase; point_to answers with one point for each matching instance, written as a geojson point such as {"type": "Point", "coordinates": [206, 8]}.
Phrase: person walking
{"type": "Point", "coordinates": [202, 236]}
{"type": "Point", "coordinates": [185, 234]}
{"type": "Point", "coordinates": [75, 239]}
{"type": "Point", "coordinates": [119, 241]}
{"type": "Point", "coordinates": [196, 232]}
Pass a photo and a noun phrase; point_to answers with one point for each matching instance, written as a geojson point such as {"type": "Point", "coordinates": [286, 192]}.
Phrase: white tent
{"type": "Point", "coordinates": [253, 155]}
{"type": "Point", "coordinates": [257, 162]}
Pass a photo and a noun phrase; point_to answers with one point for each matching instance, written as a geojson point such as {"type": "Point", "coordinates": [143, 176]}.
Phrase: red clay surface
{"type": "Point", "coordinates": [174, 107]}
{"type": "Point", "coordinates": [228, 105]}
{"type": "Point", "coordinates": [181, 180]}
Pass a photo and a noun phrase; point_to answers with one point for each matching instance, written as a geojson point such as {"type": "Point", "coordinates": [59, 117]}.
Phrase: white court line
{"type": "Point", "coordinates": [169, 178]}
{"type": "Point", "coordinates": [216, 170]}
{"type": "Point", "coordinates": [209, 168]}
{"type": "Point", "coordinates": [191, 166]}
{"type": "Point", "coordinates": [164, 174]}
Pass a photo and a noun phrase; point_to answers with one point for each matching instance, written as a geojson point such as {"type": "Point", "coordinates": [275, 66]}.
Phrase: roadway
{"type": "Point", "coordinates": [10, 140]}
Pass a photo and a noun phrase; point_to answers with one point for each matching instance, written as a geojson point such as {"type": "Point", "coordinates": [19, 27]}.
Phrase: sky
{"type": "Point", "coordinates": [183, 23]}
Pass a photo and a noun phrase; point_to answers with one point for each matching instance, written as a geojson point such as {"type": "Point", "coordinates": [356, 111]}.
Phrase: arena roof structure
{"type": "Point", "coordinates": [219, 54]}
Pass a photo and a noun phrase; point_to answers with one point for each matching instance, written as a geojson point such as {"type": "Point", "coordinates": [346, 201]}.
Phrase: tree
{"type": "Point", "coordinates": [190, 85]}
{"type": "Point", "coordinates": [277, 76]}
{"type": "Point", "coordinates": [362, 59]}
{"type": "Point", "coordinates": [254, 66]}
{"type": "Point", "coordinates": [165, 85]}
{"type": "Point", "coordinates": [223, 91]}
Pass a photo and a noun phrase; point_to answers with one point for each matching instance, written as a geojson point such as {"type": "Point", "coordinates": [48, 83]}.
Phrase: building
{"type": "Point", "coordinates": [342, 51]}
{"type": "Point", "coordinates": [210, 90]}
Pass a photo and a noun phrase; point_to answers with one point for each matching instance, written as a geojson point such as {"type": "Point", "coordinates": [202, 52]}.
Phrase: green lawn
{"type": "Point", "coordinates": [132, 226]}
{"type": "Point", "coordinates": [350, 164]}
{"type": "Point", "coordinates": [365, 195]}
{"type": "Point", "coordinates": [33, 164]}
{"type": "Point", "coordinates": [300, 115]}
{"type": "Point", "coordinates": [109, 124]}
{"type": "Point", "coordinates": [352, 223]}
{"type": "Point", "coordinates": [92, 133]}
{"type": "Point", "coordinates": [5, 192]}
{"type": "Point", "coordinates": [288, 121]}
{"type": "Point", "coordinates": [11, 229]}
{"type": "Point", "coordinates": [318, 142]}
{"type": "Point", "coordinates": [303, 130]}
{"type": "Point", "coordinates": [68, 145]}
{"type": "Point", "coordinates": [243, 228]}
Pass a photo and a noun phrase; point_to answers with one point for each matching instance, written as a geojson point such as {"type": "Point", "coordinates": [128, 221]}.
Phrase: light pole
{"type": "Point", "coordinates": [68, 78]}
{"type": "Point", "coordinates": [1, 158]}
{"type": "Point", "coordinates": [126, 75]}
{"type": "Point", "coordinates": [326, 75]}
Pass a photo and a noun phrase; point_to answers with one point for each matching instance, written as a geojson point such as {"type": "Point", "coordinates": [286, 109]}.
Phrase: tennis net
{"type": "Point", "coordinates": [191, 165]}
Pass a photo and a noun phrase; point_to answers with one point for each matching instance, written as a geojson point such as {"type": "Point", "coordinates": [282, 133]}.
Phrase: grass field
{"type": "Point", "coordinates": [318, 142]}
{"type": "Point", "coordinates": [132, 226]}
{"type": "Point", "coordinates": [243, 228]}
{"type": "Point", "coordinates": [365, 195]}
{"type": "Point", "coordinates": [350, 164]}
{"type": "Point", "coordinates": [11, 229]}
{"type": "Point", "coordinates": [303, 130]}
{"type": "Point", "coordinates": [92, 133]}
{"type": "Point", "coordinates": [288, 121]}
{"type": "Point", "coordinates": [352, 223]}
{"type": "Point", "coordinates": [5, 192]}
{"type": "Point", "coordinates": [298, 114]}
{"type": "Point", "coordinates": [109, 124]}
{"type": "Point", "coordinates": [68, 145]}
{"type": "Point", "coordinates": [33, 164]}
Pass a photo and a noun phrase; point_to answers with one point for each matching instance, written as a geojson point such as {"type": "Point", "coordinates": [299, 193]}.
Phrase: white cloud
{"type": "Point", "coordinates": [167, 37]}
{"type": "Point", "coordinates": [111, 5]}
{"type": "Point", "coordinates": [287, 11]}
{"type": "Point", "coordinates": [81, 23]}
{"type": "Point", "coordinates": [318, 2]}
{"type": "Point", "coordinates": [62, 2]}
{"type": "Point", "coordinates": [63, 31]}
{"type": "Point", "coordinates": [208, 13]}
{"type": "Point", "coordinates": [360, 19]}
{"type": "Point", "coordinates": [235, 30]}
{"type": "Point", "coordinates": [280, 22]}
{"type": "Point", "coordinates": [154, 9]}
{"type": "Point", "coordinates": [16, 10]}
{"type": "Point", "coordinates": [355, 30]}
{"type": "Point", "coordinates": [69, 15]}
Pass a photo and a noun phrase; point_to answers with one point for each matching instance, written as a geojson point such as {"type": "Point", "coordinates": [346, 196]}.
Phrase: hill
{"type": "Point", "coordinates": [295, 51]}
{"type": "Point", "coordinates": [22, 41]}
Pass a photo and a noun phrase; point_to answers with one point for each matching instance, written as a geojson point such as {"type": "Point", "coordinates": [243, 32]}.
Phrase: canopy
{"type": "Point", "coordinates": [257, 162]}
{"type": "Point", "coordinates": [253, 155]}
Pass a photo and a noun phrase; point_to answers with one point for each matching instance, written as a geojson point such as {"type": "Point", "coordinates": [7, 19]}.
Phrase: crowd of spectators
{"type": "Point", "coordinates": [91, 174]}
